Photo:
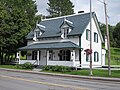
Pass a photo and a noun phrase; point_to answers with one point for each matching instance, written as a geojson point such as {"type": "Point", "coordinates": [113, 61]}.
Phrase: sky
{"type": "Point", "coordinates": [113, 7]}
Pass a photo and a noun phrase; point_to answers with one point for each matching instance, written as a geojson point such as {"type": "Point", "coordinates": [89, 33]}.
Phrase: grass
{"type": "Point", "coordinates": [8, 66]}
{"type": "Point", "coordinates": [115, 53]}
{"type": "Point", "coordinates": [96, 73]}
{"type": "Point", "coordinates": [84, 72]}
{"type": "Point", "coordinates": [12, 67]}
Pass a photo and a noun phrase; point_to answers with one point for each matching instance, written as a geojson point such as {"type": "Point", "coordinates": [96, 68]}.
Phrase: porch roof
{"type": "Point", "coordinates": [53, 45]}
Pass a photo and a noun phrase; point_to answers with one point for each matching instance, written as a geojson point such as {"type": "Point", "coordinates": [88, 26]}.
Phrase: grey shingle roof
{"type": "Point", "coordinates": [80, 22]}
{"type": "Point", "coordinates": [53, 45]}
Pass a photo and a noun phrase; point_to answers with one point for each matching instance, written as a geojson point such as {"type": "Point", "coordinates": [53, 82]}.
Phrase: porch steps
{"type": "Point", "coordinates": [37, 70]}
{"type": "Point", "coordinates": [39, 66]}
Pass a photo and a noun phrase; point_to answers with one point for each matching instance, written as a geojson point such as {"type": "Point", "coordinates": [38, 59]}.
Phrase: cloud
{"type": "Point", "coordinates": [42, 6]}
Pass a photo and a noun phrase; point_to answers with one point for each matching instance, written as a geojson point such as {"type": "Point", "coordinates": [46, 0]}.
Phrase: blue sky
{"type": "Point", "coordinates": [113, 7]}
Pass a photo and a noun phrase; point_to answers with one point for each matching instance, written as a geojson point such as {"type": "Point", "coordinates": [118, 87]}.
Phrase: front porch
{"type": "Point", "coordinates": [55, 55]}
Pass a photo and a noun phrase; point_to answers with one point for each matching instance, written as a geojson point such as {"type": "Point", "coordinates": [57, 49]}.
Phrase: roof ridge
{"type": "Point", "coordinates": [66, 16]}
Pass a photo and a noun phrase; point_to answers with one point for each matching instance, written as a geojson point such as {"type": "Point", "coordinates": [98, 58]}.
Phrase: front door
{"type": "Point", "coordinates": [42, 57]}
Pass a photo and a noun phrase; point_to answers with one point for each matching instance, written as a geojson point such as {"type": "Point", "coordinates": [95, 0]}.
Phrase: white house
{"type": "Point", "coordinates": [65, 41]}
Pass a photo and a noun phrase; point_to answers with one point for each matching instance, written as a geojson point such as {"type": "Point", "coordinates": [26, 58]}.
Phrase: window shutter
{"type": "Point", "coordinates": [97, 37]}
{"type": "Point", "coordinates": [94, 37]}
{"type": "Point", "coordinates": [86, 34]}
{"type": "Point", "coordinates": [94, 56]}
{"type": "Point", "coordinates": [97, 56]}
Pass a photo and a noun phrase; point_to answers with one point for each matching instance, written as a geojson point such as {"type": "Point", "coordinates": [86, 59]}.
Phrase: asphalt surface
{"type": "Point", "coordinates": [30, 81]}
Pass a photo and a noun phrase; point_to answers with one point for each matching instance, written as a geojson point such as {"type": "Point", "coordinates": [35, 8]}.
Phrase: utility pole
{"type": "Point", "coordinates": [108, 40]}
{"type": "Point", "coordinates": [91, 37]}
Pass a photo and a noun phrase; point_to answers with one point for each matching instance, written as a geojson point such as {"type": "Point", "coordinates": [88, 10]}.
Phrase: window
{"type": "Point", "coordinates": [64, 55]}
{"type": "Point", "coordinates": [65, 31]}
{"type": "Point", "coordinates": [87, 34]}
{"type": "Point", "coordinates": [95, 37]}
{"type": "Point", "coordinates": [37, 33]}
{"type": "Point", "coordinates": [51, 55]}
{"type": "Point", "coordinates": [96, 57]}
{"type": "Point", "coordinates": [34, 55]}
{"type": "Point", "coordinates": [87, 57]}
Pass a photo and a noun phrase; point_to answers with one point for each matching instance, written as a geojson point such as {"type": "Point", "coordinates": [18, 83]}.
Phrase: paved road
{"type": "Point", "coordinates": [26, 81]}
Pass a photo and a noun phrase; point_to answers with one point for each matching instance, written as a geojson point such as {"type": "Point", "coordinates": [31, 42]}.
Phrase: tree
{"type": "Point", "coordinates": [60, 7]}
{"type": "Point", "coordinates": [17, 18]}
{"type": "Point", "coordinates": [116, 35]}
{"type": "Point", "coordinates": [103, 31]}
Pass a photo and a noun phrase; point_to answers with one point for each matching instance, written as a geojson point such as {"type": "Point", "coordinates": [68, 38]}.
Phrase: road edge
{"type": "Point", "coordinates": [64, 75]}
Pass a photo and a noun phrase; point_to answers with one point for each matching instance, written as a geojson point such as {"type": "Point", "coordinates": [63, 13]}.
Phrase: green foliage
{"type": "Point", "coordinates": [8, 66]}
{"type": "Point", "coordinates": [26, 65]}
{"type": "Point", "coordinates": [57, 68]}
{"type": "Point", "coordinates": [103, 31]}
{"type": "Point", "coordinates": [17, 18]}
{"type": "Point", "coordinates": [116, 35]}
{"type": "Point", "coordinates": [60, 7]}
{"type": "Point", "coordinates": [115, 56]}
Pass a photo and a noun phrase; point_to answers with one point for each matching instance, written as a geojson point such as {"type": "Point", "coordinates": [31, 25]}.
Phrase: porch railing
{"type": "Point", "coordinates": [34, 62]}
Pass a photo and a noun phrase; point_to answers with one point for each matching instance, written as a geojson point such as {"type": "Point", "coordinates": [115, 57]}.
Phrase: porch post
{"type": "Point", "coordinates": [47, 57]}
{"type": "Point", "coordinates": [38, 57]}
{"type": "Point", "coordinates": [18, 57]}
{"type": "Point", "coordinates": [73, 58]}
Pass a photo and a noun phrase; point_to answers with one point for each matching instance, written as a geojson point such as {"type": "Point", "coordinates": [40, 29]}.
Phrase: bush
{"type": "Point", "coordinates": [57, 68]}
{"type": "Point", "coordinates": [19, 66]}
{"type": "Point", "coordinates": [26, 65]}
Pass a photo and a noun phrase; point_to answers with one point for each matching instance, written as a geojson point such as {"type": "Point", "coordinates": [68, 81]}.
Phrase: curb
{"type": "Point", "coordinates": [63, 75]}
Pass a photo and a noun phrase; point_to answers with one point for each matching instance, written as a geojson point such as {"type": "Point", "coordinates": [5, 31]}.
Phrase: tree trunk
{"type": "Point", "coordinates": [5, 58]}
{"type": "Point", "coordinates": [1, 56]}
{"type": "Point", "coordinates": [8, 58]}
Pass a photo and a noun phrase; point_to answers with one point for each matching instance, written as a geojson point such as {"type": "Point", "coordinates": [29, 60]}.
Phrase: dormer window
{"type": "Point", "coordinates": [66, 27]}
{"type": "Point", "coordinates": [38, 31]}
{"type": "Point", "coordinates": [65, 31]}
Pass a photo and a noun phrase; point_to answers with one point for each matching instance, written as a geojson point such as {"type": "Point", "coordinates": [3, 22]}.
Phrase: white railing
{"type": "Point", "coordinates": [63, 63]}
{"type": "Point", "coordinates": [34, 62]}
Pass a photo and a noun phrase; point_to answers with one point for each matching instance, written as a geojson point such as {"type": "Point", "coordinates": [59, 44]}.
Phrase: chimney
{"type": "Point", "coordinates": [80, 11]}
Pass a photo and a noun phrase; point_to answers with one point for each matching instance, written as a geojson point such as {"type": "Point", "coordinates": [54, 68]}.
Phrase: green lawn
{"type": "Point", "coordinates": [84, 72]}
{"type": "Point", "coordinates": [8, 66]}
{"type": "Point", "coordinates": [115, 53]}
{"type": "Point", "coordinates": [96, 73]}
{"type": "Point", "coordinates": [12, 67]}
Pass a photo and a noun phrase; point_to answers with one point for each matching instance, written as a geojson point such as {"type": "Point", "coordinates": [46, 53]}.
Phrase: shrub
{"type": "Point", "coordinates": [57, 68]}
{"type": "Point", "coordinates": [19, 66]}
{"type": "Point", "coordinates": [26, 65]}
{"type": "Point", "coordinates": [47, 67]}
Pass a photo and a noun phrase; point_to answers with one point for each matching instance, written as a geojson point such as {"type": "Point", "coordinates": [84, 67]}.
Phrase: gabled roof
{"type": "Point", "coordinates": [80, 22]}
{"type": "Point", "coordinates": [53, 45]}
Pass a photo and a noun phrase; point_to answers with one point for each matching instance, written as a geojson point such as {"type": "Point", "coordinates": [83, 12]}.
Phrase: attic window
{"type": "Point", "coordinates": [65, 29]}
{"type": "Point", "coordinates": [65, 32]}
{"type": "Point", "coordinates": [38, 31]}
